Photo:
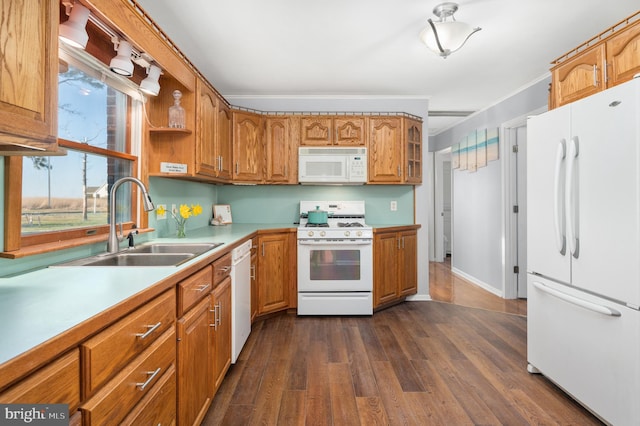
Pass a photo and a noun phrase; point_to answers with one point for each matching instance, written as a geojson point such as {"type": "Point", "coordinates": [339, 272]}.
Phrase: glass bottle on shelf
{"type": "Point", "coordinates": [176, 112]}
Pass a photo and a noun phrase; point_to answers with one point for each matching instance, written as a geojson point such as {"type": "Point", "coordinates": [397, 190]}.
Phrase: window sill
{"type": "Point", "coordinates": [60, 245]}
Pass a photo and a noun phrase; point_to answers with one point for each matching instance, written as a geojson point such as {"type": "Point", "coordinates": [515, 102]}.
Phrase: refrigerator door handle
{"type": "Point", "coordinates": [570, 199]}
{"type": "Point", "coordinates": [557, 198]}
{"type": "Point", "coordinates": [594, 307]}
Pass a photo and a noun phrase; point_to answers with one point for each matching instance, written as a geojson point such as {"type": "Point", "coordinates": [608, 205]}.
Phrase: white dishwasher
{"type": "Point", "coordinates": [240, 298]}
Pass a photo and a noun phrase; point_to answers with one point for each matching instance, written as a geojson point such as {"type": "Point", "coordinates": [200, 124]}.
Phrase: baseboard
{"type": "Point", "coordinates": [419, 298]}
{"type": "Point", "coordinates": [478, 282]}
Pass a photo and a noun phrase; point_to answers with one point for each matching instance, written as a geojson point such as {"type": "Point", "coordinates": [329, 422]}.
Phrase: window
{"type": "Point", "coordinates": [66, 197]}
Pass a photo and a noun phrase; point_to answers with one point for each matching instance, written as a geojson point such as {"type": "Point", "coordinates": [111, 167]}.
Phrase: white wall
{"type": "Point", "coordinates": [477, 225]}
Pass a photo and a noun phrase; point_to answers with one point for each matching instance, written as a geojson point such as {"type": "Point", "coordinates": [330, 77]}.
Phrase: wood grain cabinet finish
{"type": "Point", "coordinates": [395, 271]}
{"type": "Point", "coordinates": [220, 329]}
{"type": "Point", "coordinates": [111, 404]}
{"type": "Point", "coordinates": [254, 278]}
{"type": "Point", "coordinates": [28, 76]}
{"type": "Point", "coordinates": [385, 150]}
{"type": "Point", "coordinates": [413, 151]}
{"type": "Point", "coordinates": [281, 154]}
{"type": "Point", "coordinates": [158, 407]}
{"type": "Point", "coordinates": [206, 130]}
{"type": "Point", "coordinates": [316, 131]}
{"type": "Point", "coordinates": [194, 288]}
{"type": "Point", "coordinates": [612, 60]}
{"type": "Point", "coordinates": [350, 131]}
{"type": "Point", "coordinates": [332, 131]}
{"type": "Point", "coordinates": [224, 147]}
{"type": "Point", "coordinates": [248, 149]}
{"type": "Point", "coordinates": [194, 356]}
{"type": "Point", "coordinates": [109, 351]}
{"type": "Point", "coordinates": [275, 257]}
{"type": "Point", "coordinates": [57, 383]}
{"type": "Point", "coordinates": [221, 268]}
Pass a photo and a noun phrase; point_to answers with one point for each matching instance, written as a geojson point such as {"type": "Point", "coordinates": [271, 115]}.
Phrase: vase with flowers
{"type": "Point", "coordinates": [181, 215]}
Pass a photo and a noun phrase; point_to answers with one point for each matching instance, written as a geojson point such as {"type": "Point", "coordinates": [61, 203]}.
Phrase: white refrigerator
{"type": "Point", "coordinates": [583, 250]}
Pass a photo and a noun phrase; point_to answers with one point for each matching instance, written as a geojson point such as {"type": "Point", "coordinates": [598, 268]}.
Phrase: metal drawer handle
{"type": "Point", "coordinates": [225, 268]}
{"type": "Point", "coordinates": [151, 329]}
{"type": "Point", "coordinates": [152, 375]}
{"type": "Point", "coordinates": [203, 287]}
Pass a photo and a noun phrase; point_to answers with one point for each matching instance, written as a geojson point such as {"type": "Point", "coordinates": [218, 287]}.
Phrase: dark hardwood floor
{"type": "Point", "coordinates": [417, 363]}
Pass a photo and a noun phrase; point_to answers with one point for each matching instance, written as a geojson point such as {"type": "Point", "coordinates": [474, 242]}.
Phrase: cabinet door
{"type": "Point", "coordinates": [28, 75]}
{"type": "Point", "coordinates": [247, 147]}
{"type": "Point", "coordinates": [221, 332]}
{"type": "Point", "coordinates": [193, 364]}
{"type": "Point", "coordinates": [623, 55]}
{"type": "Point", "coordinates": [279, 151]}
{"type": "Point", "coordinates": [206, 131]}
{"type": "Point", "coordinates": [349, 131]}
{"type": "Point", "coordinates": [254, 278]}
{"type": "Point", "coordinates": [385, 150]}
{"type": "Point", "coordinates": [579, 77]}
{"type": "Point", "coordinates": [224, 147]}
{"type": "Point", "coordinates": [385, 277]}
{"type": "Point", "coordinates": [413, 153]}
{"type": "Point", "coordinates": [408, 263]}
{"type": "Point", "coordinates": [315, 131]}
{"type": "Point", "coordinates": [273, 272]}
{"type": "Point", "coordinates": [57, 383]}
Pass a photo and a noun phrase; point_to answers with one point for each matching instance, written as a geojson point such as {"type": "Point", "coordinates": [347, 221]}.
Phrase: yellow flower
{"type": "Point", "coordinates": [185, 211]}
{"type": "Point", "coordinates": [196, 209]}
{"type": "Point", "coordinates": [160, 210]}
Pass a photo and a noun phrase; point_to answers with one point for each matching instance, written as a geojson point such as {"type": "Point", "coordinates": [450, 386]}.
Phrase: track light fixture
{"type": "Point", "coordinates": [73, 32]}
{"type": "Point", "coordinates": [445, 37]}
{"type": "Point", "coordinates": [121, 63]}
{"type": "Point", "coordinates": [150, 85]}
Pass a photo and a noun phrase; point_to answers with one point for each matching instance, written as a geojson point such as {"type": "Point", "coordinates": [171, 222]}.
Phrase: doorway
{"type": "Point", "coordinates": [443, 241]}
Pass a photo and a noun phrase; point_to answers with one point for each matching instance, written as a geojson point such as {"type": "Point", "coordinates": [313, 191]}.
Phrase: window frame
{"type": "Point", "coordinates": [15, 244]}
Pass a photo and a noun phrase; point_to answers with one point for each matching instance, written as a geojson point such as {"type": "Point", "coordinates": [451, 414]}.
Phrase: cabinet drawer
{"type": "Point", "coordinates": [57, 383]}
{"type": "Point", "coordinates": [106, 353]}
{"type": "Point", "coordinates": [221, 268]}
{"type": "Point", "coordinates": [158, 407]}
{"type": "Point", "coordinates": [194, 288]}
{"type": "Point", "coordinates": [118, 397]}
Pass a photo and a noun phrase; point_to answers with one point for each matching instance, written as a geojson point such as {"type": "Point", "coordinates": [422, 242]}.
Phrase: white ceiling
{"type": "Point", "coordinates": [371, 47]}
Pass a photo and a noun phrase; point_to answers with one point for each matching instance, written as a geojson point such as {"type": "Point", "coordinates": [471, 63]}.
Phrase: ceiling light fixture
{"type": "Point", "coordinates": [121, 63]}
{"type": "Point", "coordinates": [446, 36]}
{"type": "Point", "coordinates": [150, 85]}
{"type": "Point", "coordinates": [73, 32]}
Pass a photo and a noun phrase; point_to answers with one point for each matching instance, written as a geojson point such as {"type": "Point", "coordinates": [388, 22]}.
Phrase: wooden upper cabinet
{"type": "Point", "coordinates": [248, 148]}
{"type": "Point", "coordinates": [330, 130]}
{"type": "Point", "coordinates": [316, 131]}
{"type": "Point", "coordinates": [623, 55]}
{"type": "Point", "coordinates": [224, 147]}
{"type": "Point", "coordinates": [609, 59]}
{"type": "Point", "coordinates": [350, 131]}
{"type": "Point", "coordinates": [579, 76]}
{"type": "Point", "coordinates": [281, 150]}
{"type": "Point", "coordinates": [28, 76]}
{"type": "Point", "coordinates": [385, 150]}
{"type": "Point", "coordinates": [206, 129]}
{"type": "Point", "coordinates": [413, 153]}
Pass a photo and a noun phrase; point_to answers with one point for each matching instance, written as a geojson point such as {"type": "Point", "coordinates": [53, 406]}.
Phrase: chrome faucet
{"type": "Point", "coordinates": [114, 238]}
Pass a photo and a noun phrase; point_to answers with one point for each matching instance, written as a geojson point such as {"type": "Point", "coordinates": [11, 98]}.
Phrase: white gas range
{"type": "Point", "coordinates": [335, 260]}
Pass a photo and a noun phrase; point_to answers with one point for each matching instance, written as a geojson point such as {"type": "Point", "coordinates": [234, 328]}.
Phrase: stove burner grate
{"type": "Point", "coordinates": [350, 225]}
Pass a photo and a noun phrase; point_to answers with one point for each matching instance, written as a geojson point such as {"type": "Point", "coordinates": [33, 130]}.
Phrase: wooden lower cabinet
{"type": "Point", "coordinates": [57, 383]}
{"type": "Point", "coordinates": [194, 357]}
{"type": "Point", "coordinates": [220, 329]}
{"type": "Point", "coordinates": [395, 270]}
{"type": "Point", "coordinates": [254, 278]}
{"type": "Point", "coordinates": [158, 407]}
{"type": "Point", "coordinates": [276, 276]}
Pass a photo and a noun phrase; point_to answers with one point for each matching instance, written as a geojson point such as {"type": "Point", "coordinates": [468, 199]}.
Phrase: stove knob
{"type": "Point", "coordinates": [322, 233]}
{"type": "Point", "coordinates": [310, 233]}
{"type": "Point", "coordinates": [359, 233]}
{"type": "Point", "coordinates": [347, 233]}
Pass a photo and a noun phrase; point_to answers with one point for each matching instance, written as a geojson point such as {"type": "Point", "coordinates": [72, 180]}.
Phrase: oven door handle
{"type": "Point", "coordinates": [335, 242]}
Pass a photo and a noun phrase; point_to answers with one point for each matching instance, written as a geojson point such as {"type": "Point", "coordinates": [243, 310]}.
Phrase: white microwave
{"type": "Point", "coordinates": [332, 165]}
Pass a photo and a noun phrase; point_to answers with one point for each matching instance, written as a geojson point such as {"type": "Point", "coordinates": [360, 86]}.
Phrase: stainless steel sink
{"type": "Point", "coordinates": [192, 248]}
{"type": "Point", "coordinates": [155, 254]}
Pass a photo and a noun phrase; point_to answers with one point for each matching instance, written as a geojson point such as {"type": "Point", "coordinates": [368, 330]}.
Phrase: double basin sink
{"type": "Point", "coordinates": [155, 254]}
